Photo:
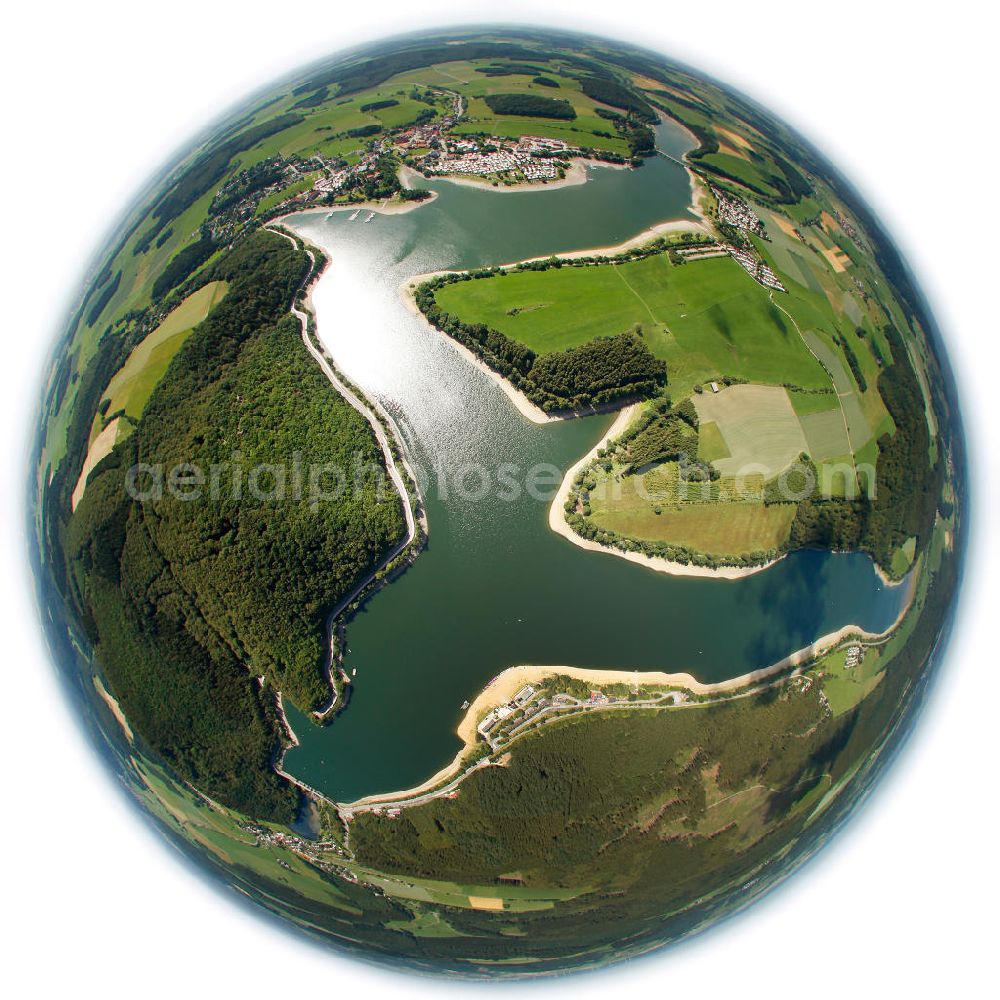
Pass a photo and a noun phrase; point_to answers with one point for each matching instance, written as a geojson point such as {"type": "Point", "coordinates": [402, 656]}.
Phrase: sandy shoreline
{"type": "Point", "coordinates": [378, 207]}
{"type": "Point", "coordinates": [888, 581]}
{"type": "Point", "coordinates": [640, 239]}
{"type": "Point", "coordinates": [502, 688]}
{"type": "Point", "coordinates": [451, 770]}
{"type": "Point", "coordinates": [557, 520]}
{"type": "Point", "coordinates": [505, 684]}
{"type": "Point", "coordinates": [522, 404]}
{"type": "Point", "coordinates": [558, 524]}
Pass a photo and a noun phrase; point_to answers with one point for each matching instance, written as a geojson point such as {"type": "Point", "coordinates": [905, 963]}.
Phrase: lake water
{"type": "Point", "coordinates": [495, 587]}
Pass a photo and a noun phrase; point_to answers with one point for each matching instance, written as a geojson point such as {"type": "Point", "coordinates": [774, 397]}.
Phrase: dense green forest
{"type": "Point", "coordinates": [188, 601]}
{"type": "Point", "coordinates": [103, 298]}
{"type": "Point", "coordinates": [618, 96]}
{"type": "Point", "coordinates": [182, 264]}
{"type": "Point", "coordinates": [661, 434]}
{"type": "Point", "coordinates": [640, 137]}
{"type": "Point", "coordinates": [247, 182]}
{"type": "Point", "coordinates": [390, 102]}
{"type": "Point", "coordinates": [530, 106]}
{"type": "Point", "coordinates": [645, 825]}
{"type": "Point", "coordinates": [379, 67]}
{"type": "Point", "coordinates": [903, 504]}
{"type": "Point", "coordinates": [509, 69]}
{"type": "Point", "coordinates": [557, 815]}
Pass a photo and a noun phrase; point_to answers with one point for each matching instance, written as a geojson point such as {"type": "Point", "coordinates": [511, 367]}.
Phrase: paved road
{"type": "Point", "coordinates": [391, 465]}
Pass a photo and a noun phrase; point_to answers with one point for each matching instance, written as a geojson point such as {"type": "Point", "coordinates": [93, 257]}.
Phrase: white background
{"type": "Point", "coordinates": [96, 95]}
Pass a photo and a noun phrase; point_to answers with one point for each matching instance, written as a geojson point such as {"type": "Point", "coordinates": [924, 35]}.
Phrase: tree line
{"type": "Point", "coordinates": [602, 372]}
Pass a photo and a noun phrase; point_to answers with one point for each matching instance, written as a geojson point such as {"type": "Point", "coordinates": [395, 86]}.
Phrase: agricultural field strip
{"type": "Point", "coordinates": [176, 326]}
{"type": "Point", "coordinates": [847, 429]}
{"type": "Point", "coordinates": [759, 426]}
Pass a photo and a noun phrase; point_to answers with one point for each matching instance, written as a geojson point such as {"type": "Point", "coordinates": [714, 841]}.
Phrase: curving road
{"type": "Point", "coordinates": [392, 467]}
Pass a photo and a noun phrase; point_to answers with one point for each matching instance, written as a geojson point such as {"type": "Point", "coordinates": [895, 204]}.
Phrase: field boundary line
{"type": "Point", "coordinates": [840, 402]}
{"type": "Point", "coordinates": [644, 303]}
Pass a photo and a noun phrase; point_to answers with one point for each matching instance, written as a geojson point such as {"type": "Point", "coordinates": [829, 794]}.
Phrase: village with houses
{"type": "Point", "coordinates": [557, 697]}
{"type": "Point", "coordinates": [430, 147]}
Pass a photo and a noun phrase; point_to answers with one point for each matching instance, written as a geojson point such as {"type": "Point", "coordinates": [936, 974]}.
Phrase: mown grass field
{"type": "Point", "coordinates": [715, 518]}
{"type": "Point", "coordinates": [705, 319]}
{"type": "Point", "coordinates": [132, 385]}
{"type": "Point", "coordinates": [729, 530]}
{"type": "Point", "coordinates": [902, 558]}
{"type": "Point", "coordinates": [858, 427]}
{"type": "Point", "coordinates": [711, 444]}
{"type": "Point", "coordinates": [473, 86]}
{"type": "Point", "coordinates": [742, 169]}
{"type": "Point", "coordinates": [846, 687]}
{"type": "Point", "coordinates": [460, 77]}
{"type": "Point", "coordinates": [825, 434]}
{"type": "Point", "coordinates": [135, 380]}
{"type": "Point", "coordinates": [807, 403]}
{"type": "Point", "coordinates": [575, 133]}
{"type": "Point", "coordinates": [759, 427]}
{"type": "Point", "coordinates": [318, 133]}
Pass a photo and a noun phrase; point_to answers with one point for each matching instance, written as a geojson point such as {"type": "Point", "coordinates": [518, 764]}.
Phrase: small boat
{"type": "Point", "coordinates": [354, 215]}
{"type": "Point", "coordinates": [465, 704]}
{"type": "Point", "coordinates": [371, 215]}
{"type": "Point", "coordinates": [354, 672]}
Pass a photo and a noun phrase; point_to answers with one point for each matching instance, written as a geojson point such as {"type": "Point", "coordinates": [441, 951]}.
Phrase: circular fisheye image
{"type": "Point", "coordinates": [498, 501]}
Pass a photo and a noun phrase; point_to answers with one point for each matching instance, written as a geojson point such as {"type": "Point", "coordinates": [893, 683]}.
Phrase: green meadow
{"type": "Point", "coordinates": [707, 319]}
{"type": "Point", "coordinates": [134, 382]}
{"type": "Point", "coordinates": [646, 507]}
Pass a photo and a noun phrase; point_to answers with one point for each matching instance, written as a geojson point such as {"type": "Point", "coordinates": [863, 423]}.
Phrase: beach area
{"type": "Point", "coordinates": [502, 688]}
{"type": "Point", "coordinates": [113, 707]}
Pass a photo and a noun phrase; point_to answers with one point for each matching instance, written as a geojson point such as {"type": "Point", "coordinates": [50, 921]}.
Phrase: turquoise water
{"type": "Point", "coordinates": [495, 587]}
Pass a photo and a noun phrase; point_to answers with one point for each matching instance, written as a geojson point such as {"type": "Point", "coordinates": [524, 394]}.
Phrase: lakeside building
{"type": "Point", "coordinates": [492, 718]}
{"type": "Point", "coordinates": [523, 696]}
